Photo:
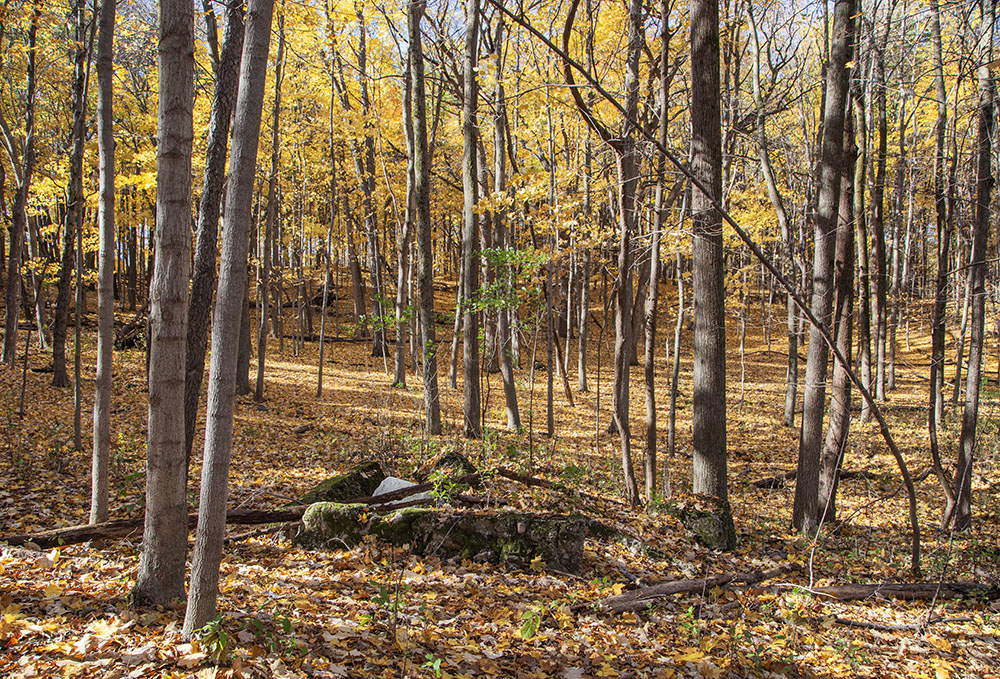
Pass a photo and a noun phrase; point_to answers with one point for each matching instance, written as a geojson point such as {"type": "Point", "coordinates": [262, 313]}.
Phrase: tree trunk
{"type": "Point", "coordinates": [228, 312]}
{"type": "Point", "coordinates": [164, 545]}
{"type": "Point", "coordinates": [879, 310]}
{"type": "Point", "coordinates": [75, 197]}
{"type": "Point", "coordinates": [425, 262]}
{"type": "Point", "coordinates": [106, 270]}
{"type": "Point", "coordinates": [787, 237]}
{"type": "Point", "coordinates": [962, 515]}
{"type": "Point", "coordinates": [19, 216]}
{"type": "Point", "coordinates": [406, 238]}
{"type": "Point", "coordinates": [203, 281]}
{"type": "Point", "coordinates": [832, 454]}
{"type": "Point", "coordinates": [654, 255]}
{"type": "Point", "coordinates": [270, 255]}
{"type": "Point", "coordinates": [470, 227]}
{"type": "Point", "coordinates": [814, 398]}
{"type": "Point", "coordinates": [501, 234]}
{"type": "Point", "coordinates": [709, 375]}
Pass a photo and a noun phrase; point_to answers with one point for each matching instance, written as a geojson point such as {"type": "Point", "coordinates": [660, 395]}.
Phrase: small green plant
{"type": "Point", "coordinates": [573, 473]}
{"type": "Point", "coordinates": [432, 664]}
{"type": "Point", "coordinates": [215, 641]}
{"type": "Point", "coordinates": [445, 489]}
{"type": "Point", "coordinates": [531, 620]}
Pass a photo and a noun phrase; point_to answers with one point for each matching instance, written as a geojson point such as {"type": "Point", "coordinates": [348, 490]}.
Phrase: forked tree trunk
{"type": "Point", "coordinates": [814, 399]}
{"type": "Point", "coordinates": [835, 445]}
{"type": "Point", "coordinates": [228, 312]}
{"type": "Point", "coordinates": [203, 276]}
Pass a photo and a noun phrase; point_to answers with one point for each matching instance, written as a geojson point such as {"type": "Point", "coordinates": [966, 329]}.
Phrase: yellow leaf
{"type": "Point", "coordinates": [537, 564]}
{"type": "Point", "coordinates": [691, 655]}
{"type": "Point", "coordinates": [617, 588]}
{"type": "Point", "coordinates": [52, 591]}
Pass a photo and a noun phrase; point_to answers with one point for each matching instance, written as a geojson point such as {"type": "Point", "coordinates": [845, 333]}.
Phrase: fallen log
{"type": "Point", "coordinates": [780, 480]}
{"type": "Point", "coordinates": [641, 599]}
{"type": "Point", "coordinates": [120, 528]}
{"type": "Point", "coordinates": [512, 475]}
{"type": "Point", "coordinates": [912, 591]}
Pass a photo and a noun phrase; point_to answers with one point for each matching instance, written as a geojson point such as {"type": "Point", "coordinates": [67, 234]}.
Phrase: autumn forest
{"type": "Point", "coordinates": [649, 338]}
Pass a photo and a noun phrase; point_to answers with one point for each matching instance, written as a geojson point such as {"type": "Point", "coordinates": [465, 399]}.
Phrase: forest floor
{"type": "Point", "coordinates": [378, 611]}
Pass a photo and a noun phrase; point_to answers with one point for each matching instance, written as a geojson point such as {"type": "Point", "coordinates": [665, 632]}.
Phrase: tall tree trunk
{"type": "Point", "coordinates": [366, 176]}
{"type": "Point", "coordinates": [935, 396]}
{"type": "Point", "coordinates": [859, 165]}
{"type": "Point", "coordinates": [814, 398]}
{"type": "Point", "coordinates": [270, 256]}
{"type": "Point", "coordinates": [406, 237]}
{"type": "Point", "coordinates": [164, 542]}
{"type": "Point", "coordinates": [675, 368]}
{"type": "Point", "coordinates": [470, 227]}
{"type": "Point", "coordinates": [502, 240]}
{"type": "Point", "coordinates": [203, 280]}
{"type": "Point", "coordinates": [106, 270]}
{"type": "Point", "coordinates": [787, 236]}
{"type": "Point", "coordinates": [654, 255]}
{"type": "Point", "coordinates": [880, 310]}
{"type": "Point", "coordinates": [961, 518]}
{"type": "Point", "coordinates": [832, 454]}
{"type": "Point", "coordinates": [75, 198]}
{"type": "Point", "coordinates": [19, 216]}
{"type": "Point", "coordinates": [228, 312]}
{"type": "Point", "coordinates": [425, 262]}
{"type": "Point", "coordinates": [708, 412]}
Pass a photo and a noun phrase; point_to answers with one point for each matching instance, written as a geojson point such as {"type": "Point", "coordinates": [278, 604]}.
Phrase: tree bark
{"type": "Point", "coordinates": [654, 254]}
{"type": "Point", "coordinates": [75, 197]}
{"type": "Point", "coordinates": [470, 227]}
{"type": "Point", "coordinates": [228, 311]}
{"type": "Point", "coordinates": [203, 280]}
{"type": "Point", "coordinates": [832, 455]}
{"type": "Point", "coordinates": [805, 510]}
{"type": "Point", "coordinates": [106, 270]}
{"type": "Point", "coordinates": [164, 546]}
{"type": "Point", "coordinates": [961, 518]}
{"type": "Point", "coordinates": [709, 375]}
{"type": "Point", "coordinates": [425, 262]}
{"type": "Point", "coordinates": [19, 216]}
{"type": "Point", "coordinates": [270, 254]}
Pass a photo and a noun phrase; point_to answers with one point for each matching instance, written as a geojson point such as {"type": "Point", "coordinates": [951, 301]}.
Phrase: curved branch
{"type": "Point", "coordinates": [568, 64]}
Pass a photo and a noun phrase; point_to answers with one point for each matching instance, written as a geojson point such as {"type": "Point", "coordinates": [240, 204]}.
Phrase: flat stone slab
{"type": "Point", "coordinates": [508, 538]}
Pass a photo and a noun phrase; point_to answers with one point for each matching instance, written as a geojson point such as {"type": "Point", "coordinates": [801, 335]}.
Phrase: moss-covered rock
{"type": "Point", "coordinates": [507, 538]}
{"type": "Point", "coordinates": [360, 481]}
{"type": "Point", "coordinates": [332, 524]}
{"type": "Point", "coordinates": [709, 518]}
{"type": "Point", "coordinates": [451, 464]}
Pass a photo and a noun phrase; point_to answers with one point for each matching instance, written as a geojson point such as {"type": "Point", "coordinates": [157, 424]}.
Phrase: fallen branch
{"type": "Point", "coordinates": [911, 592]}
{"type": "Point", "coordinates": [544, 483]}
{"type": "Point", "coordinates": [885, 627]}
{"type": "Point", "coordinates": [780, 480]}
{"type": "Point", "coordinates": [120, 528]}
{"type": "Point", "coordinates": [112, 530]}
{"type": "Point", "coordinates": [641, 599]}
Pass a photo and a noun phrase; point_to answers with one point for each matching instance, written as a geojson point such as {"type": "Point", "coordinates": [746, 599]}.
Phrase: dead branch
{"type": "Point", "coordinates": [641, 599]}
